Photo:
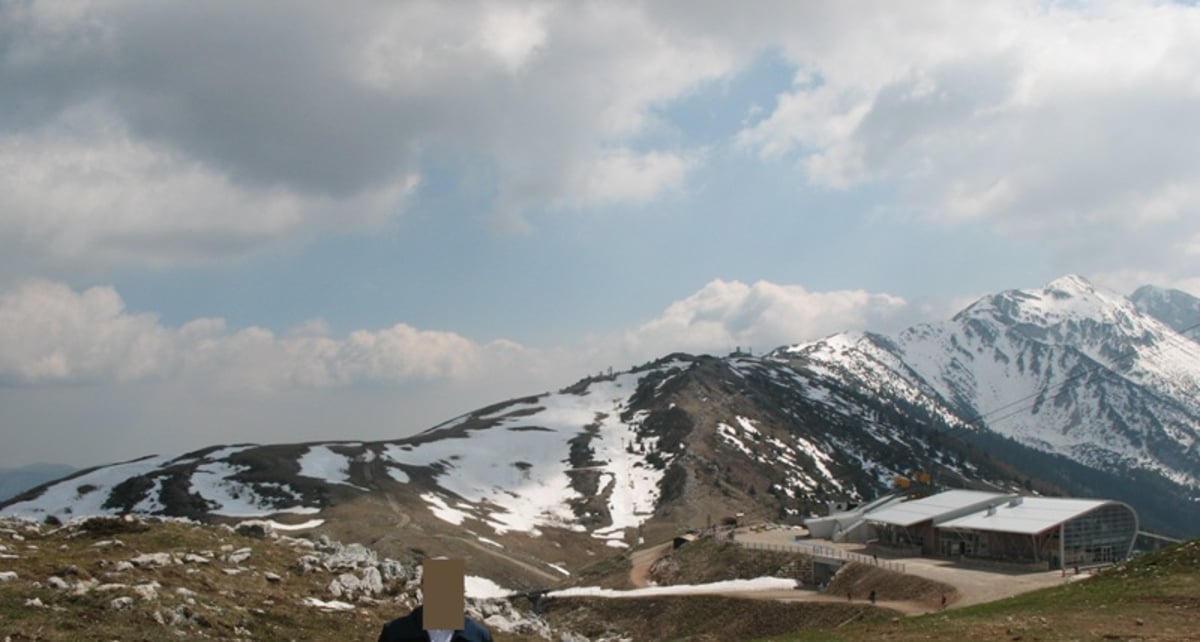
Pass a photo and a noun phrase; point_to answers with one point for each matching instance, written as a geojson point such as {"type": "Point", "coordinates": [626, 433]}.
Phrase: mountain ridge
{"type": "Point", "coordinates": [555, 479]}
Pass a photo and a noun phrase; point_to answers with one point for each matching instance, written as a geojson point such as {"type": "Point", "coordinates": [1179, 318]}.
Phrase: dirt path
{"type": "Point", "coordinates": [808, 595]}
{"type": "Point", "coordinates": [403, 518]}
{"type": "Point", "coordinates": [641, 561]}
{"type": "Point", "coordinates": [553, 578]}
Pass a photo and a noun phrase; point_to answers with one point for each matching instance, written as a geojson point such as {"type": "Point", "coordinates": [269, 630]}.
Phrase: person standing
{"type": "Point", "coordinates": [441, 616]}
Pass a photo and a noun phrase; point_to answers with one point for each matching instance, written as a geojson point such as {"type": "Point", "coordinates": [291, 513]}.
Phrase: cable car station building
{"type": "Point", "coordinates": [1055, 532]}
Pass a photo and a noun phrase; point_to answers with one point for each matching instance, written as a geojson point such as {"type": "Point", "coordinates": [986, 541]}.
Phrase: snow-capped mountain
{"type": "Point", "coordinates": [680, 441]}
{"type": "Point", "coordinates": [1176, 308]}
{"type": "Point", "coordinates": [1067, 389]}
{"type": "Point", "coordinates": [1069, 368]}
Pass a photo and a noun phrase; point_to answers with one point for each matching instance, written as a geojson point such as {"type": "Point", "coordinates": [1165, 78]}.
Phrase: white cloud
{"type": "Point", "coordinates": [152, 387]}
{"type": "Point", "coordinates": [107, 196]}
{"type": "Point", "coordinates": [213, 130]}
{"type": "Point", "coordinates": [51, 334]}
{"type": "Point", "coordinates": [513, 33]}
{"type": "Point", "coordinates": [1041, 119]}
{"type": "Point", "coordinates": [622, 176]}
{"type": "Point", "coordinates": [727, 314]}
{"type": "Point", "coordinates": [229, 128]}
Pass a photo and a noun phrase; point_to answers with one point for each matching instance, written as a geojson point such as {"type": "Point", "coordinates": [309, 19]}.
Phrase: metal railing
{"type": "Point", "coordinates": [817, 550]}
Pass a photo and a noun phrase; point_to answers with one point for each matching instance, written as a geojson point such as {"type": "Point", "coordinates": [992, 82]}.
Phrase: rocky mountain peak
{"type": "Point", "coordinates": [1176, 308]}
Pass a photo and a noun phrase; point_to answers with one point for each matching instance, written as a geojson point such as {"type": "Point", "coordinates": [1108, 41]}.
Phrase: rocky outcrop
{"type": "Point", "coordinates": [146, 583]}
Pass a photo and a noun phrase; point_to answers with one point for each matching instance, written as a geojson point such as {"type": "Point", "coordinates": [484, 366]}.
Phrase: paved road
{"type": "Point", "coordinates": [975, 586]}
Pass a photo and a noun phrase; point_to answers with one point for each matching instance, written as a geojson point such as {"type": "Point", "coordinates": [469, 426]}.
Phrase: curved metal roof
{"type": "Point", "coordinates": [939, 508]}
{"type": "Point", "coordinates": [1030, 516]}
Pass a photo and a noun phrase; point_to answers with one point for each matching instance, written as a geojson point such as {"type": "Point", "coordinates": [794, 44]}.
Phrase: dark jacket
{"type": "Point", "coordinates": [410, 629]}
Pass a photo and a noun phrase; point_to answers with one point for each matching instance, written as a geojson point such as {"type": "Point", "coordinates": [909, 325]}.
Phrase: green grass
{"type": "Point", "coordinates": [1155, 596]}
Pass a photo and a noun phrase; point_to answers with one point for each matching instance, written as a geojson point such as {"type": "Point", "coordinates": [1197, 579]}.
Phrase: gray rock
{"type": "Point", "coordinates": [391, 570]}
{"type": "Point", "coordinates": [345, 585]}
{"type": "Point", "coordinates": [57, 583]}
{"type": "Point", "coordinates": [7, 576]}
{"type": "Point", "coordinates": [351, 556]}
{"type": "Point", "coordinates": [239, 556]}
{"type": "Point", "coordinates": [121, 604]}
{"type": "Point", "coordinates": [272, 577]}
{"type": "Point", "coordinates": [124, 566]}
{"type": "Point", "coordinates": [35, 603]}
{"type": "Point", "coordinates": [83, 587]}
{"type": "Point", "coordinates": [151, 560]}
{"type": "Point", "coordinates": [372, 580]}
{"type": "Point", "coordinates": [310, 564]}
{"type": "Point", "coordinates": [255, 528]}
{"type": "Point", "coordinates": [148, 591]}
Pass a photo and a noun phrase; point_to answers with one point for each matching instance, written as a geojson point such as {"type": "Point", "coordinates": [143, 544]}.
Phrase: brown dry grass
{"type": "Point", "coordinates": [225, 607]}
{"type": "Point", "coordinates": [860, 579]}
{"type": "Point", "coordinates": [700, 617]}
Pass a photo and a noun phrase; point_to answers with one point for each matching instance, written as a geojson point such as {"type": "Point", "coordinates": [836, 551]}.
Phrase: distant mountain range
{"type": "Point", "coordinates": [1069, 369]}
{"type": "Point", "coordinates": [1066, 389]}
{"type": "Point", "coordinates": [14, 481]}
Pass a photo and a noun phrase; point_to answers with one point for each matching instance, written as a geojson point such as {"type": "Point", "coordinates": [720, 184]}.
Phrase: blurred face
{"type": "Point", "coordinates": [442, 588]}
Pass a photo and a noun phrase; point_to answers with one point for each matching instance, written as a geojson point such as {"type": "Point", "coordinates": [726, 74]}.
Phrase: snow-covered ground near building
{"type": "Point", "coordinates": [483, 588]}
{"type": "Point", "coordinates": [727, 586]}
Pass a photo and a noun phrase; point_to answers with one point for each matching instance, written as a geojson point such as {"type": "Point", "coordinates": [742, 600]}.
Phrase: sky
{"type": "Point", "coordinates": [292, 221]}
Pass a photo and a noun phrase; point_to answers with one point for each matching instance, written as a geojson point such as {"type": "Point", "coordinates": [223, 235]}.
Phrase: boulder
{"type": "Point", "coordinates": [255, 528]}
{"type": "Point", "coordinates": [372, 580]}
{"type": "Point", "coordinates": [351, 556]}
{"type": "Point", "coordinates": [345, 585]}
{"type": "Point", "coordinates": [147, 591]}
{"type": "Point", "coordinates": [151, 560]}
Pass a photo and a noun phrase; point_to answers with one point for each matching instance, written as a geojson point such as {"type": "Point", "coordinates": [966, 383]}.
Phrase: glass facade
{"type": "Point", "coordinates": [1105, 534]}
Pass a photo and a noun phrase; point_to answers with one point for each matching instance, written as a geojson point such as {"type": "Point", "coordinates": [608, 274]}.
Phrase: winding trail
{"type": "Point", "coordinates": [641, 561]}
{"type": "Point", "coordinates": [553, 578]}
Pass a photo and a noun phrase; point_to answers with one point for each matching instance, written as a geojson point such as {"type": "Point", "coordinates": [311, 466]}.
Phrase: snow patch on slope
{"type": "Point", "coordinates": [515, 474]}
{"type": "Point", "coordinates": [85, 494]}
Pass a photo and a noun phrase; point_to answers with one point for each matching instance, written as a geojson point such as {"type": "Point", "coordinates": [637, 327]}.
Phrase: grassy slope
{"type": "Point", "coordinates": [1154, 597]}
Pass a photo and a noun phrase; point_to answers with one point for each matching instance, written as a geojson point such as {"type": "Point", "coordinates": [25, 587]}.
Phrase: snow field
{"type": "Point", "coordinates": [515, 474]}
{"type": "Point", "coordinates": [727, 586]}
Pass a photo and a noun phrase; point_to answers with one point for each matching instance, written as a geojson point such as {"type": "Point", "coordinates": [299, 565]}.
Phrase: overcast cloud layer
{"type": "Point", "coordinates": [144, 141]}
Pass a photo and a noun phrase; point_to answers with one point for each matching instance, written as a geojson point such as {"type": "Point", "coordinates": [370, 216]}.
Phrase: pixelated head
{"type": "Point", "coordinates": [442, 590]}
